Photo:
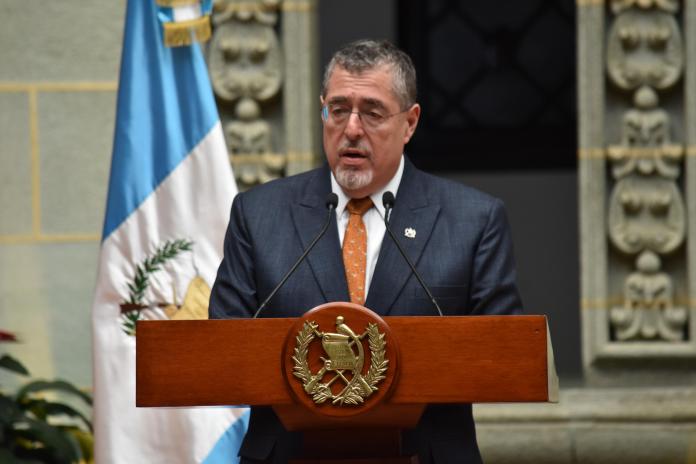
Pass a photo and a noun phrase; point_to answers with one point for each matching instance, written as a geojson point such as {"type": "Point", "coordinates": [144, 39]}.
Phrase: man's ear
{"type": "Point", "coordinates": [412, 116]}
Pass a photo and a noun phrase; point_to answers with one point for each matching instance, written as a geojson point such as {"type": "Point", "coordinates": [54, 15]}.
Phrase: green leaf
{"type": "Point", "coordinates": [46, 409]}
{"type": "Point", "coordinates": [12, 364]}
{"type": "Point", "coordinates": [9, 411]}
{"type": "Point", "coordinates": [6, 457]}
{"type": "Point", "coordinates": [54, 385]}
{"type": "Point", "coordinates": [85, 440]}
{"type": "Point", "coordinates": [61, 446]}
{"type": "Point", "coordinates": [129, 322]}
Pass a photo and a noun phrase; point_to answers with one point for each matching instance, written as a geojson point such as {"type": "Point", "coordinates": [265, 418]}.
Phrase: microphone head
{"type": "Point", "coordinates": [331, 201]}
{"type": "Point", "coordinates": [388, 199]}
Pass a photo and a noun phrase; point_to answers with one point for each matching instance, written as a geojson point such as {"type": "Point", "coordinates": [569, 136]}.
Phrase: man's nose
{"type": "Point", "coordinates": [354, 128]}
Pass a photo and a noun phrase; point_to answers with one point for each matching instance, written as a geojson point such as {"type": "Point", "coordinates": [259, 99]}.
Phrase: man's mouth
{"type": "Point", "coordinates": [353, 154]}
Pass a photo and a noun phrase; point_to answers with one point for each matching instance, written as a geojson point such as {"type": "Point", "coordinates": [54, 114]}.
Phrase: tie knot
{"type": "Point", "coordinates": [359, 205]}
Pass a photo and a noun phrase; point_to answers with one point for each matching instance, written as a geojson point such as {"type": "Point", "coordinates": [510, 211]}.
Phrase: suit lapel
{"type": "Point", "coordinates": [309, 214]}
{"type": "Point", "coordinates": [413, 211]}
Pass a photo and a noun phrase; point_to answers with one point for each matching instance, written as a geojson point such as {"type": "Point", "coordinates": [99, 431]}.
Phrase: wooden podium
{"type": "Point", "coordinates": [451, 359]}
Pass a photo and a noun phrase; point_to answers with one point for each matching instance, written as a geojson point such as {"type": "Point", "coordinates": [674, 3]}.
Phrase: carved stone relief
{"type": "Point", "coordinates": [644, 48]}
{"type": "Point", "coordinates": [245, 61]}
{"type": "Point", "coordinates": [648, 311]}
{"type": "Point", "coordinates": [646, 212]}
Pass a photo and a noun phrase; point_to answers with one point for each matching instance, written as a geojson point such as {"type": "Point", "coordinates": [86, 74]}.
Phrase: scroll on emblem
{"type": "Point", "coordinates": [340, 380]}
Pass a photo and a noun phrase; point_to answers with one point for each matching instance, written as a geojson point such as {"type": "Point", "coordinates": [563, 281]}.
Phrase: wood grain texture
{"type": "Point", "coordinates": [474, 359]}
{"type": "Point", "coordinates": [442, 360]}
{"type": "Point", "coordinates": [201, 363]}
{"type": "Point", "coordinates": [389, 415]}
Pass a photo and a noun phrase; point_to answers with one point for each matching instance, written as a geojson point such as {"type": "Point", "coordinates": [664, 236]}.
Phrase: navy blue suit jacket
{"type": "Point", "coordinates": [462, 249]}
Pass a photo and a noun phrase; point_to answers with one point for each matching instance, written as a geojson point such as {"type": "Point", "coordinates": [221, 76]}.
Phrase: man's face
{"type": "Point", "coordinates": [363, 155]}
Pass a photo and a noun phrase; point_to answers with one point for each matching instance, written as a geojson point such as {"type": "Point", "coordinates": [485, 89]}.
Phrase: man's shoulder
{"type": "Point", "coordinates": [447, 191]}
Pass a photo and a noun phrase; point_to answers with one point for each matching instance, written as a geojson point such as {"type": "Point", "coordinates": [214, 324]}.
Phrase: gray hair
{"type": "Point", "coordinates": [366, 55]}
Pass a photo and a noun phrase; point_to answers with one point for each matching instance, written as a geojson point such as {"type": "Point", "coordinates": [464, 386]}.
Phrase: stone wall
{"type": "Point", "coordinates": [589, 425]}
{"type": "Point", "coordinates": [58, 80]}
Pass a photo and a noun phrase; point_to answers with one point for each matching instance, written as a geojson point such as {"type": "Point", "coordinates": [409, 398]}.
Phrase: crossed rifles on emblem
{"type": "Point", "coordinates": [339, 347]}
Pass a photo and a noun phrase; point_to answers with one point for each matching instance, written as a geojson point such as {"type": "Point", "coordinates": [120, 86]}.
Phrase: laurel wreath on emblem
{"type": "Point", "coordinates": [358, 387]}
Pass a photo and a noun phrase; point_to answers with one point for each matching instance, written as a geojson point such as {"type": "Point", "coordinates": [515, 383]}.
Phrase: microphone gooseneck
{"type": "Point", "coordinates": [388, 202]}
{"type": "Point", "coordinates": [331, 203]}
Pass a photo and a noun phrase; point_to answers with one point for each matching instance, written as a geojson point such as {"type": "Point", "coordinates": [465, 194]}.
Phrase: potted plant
{"type": "Point", "coordinates": [37, 424]}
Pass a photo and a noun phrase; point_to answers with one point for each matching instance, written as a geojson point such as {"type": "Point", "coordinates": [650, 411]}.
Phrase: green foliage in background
{"type": "Point", "coordinates": [35, 429]}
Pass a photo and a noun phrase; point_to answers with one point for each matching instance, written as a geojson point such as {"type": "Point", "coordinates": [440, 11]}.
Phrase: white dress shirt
{"type": "Point", "coordinates": [373, 219]}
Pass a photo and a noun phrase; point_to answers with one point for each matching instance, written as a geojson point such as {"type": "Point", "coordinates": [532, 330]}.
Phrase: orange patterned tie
{"type": "Point", "coordinates": [355, 249]}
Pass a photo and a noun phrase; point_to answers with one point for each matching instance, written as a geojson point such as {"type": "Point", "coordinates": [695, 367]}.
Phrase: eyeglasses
{"type": "Point", "coordinates": [338, 115]}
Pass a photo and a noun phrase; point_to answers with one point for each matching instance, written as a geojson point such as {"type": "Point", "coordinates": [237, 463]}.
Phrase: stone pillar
{"type": "Point", "coordinates": [262, 64]}
{"type": "Point", "coordinates": [636, 147]}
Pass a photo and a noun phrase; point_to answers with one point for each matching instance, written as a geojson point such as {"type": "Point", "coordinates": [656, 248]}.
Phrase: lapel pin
{"type": "Point", "coordinates": [410, 232]}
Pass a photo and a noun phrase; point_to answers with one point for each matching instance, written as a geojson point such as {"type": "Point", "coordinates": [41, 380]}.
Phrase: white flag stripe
{"type": "Point", "coordinates": [194, 190]}
{"type": "Point", "coordinates": [193, 203]}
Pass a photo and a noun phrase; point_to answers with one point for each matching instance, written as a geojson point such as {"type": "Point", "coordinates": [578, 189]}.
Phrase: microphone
{"type": "Point", "coordinates": [331, 203]}
{"type": "Point", "coordinates": [388, 202]}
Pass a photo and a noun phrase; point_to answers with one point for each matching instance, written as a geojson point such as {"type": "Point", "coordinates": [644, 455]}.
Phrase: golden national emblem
{"type": "Point", "coordinates": [343, 364]}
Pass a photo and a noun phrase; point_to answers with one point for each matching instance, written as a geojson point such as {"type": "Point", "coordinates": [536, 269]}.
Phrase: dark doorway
{"type": "Point", "coordinates": [496, 80]}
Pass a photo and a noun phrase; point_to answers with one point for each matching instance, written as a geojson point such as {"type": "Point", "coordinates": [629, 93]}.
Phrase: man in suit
{"type": "Point", "coordinates": [458, 238]}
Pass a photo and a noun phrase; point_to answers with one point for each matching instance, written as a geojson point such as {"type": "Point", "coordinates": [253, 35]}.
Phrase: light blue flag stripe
{"type": "Point", "coordinates": [165, 108]}
{"type": "Point", "coordinates": [227, 447]}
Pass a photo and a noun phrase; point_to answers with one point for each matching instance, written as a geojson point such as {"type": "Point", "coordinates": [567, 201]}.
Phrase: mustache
{"type": "Point", "coordinates": [354, 147]}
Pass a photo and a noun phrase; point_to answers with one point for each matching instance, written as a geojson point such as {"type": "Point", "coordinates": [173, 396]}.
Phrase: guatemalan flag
{"type": "Point", "coordinates": [170, 190]}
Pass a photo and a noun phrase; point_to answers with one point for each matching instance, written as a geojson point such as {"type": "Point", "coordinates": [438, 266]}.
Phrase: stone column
{"type": "Point", "coordinates": [636, 126]}
{"type": "Point", "coordinates": [262, 64]}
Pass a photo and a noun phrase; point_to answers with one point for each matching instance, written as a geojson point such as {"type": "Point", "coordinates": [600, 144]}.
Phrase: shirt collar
{"type": "Point", "coordinates": [392, 186]}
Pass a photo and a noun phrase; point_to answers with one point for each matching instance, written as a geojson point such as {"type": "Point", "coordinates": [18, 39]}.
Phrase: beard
{"type": "Point", "coordinates": [353, 179]}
